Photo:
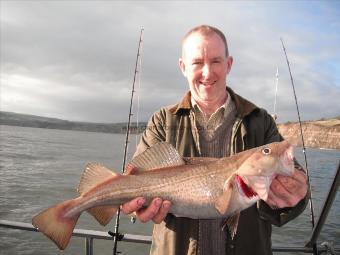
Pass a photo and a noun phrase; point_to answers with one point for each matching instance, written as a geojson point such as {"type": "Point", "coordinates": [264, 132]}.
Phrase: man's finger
{"type": "Point", "coordinates": [298, 176]}
{"type": "Point", "coordinates": [291, 185]}
{"type": "Point", "coordinates": [296, 185]}
{"type": "Point", "coordinates": [286, 192]}
{"type": "Point", "coordinates": [278, 189]}
{"type": "Point", "coordinates": [275, 202]}
{"type": "Point", "coordinates": [146, 214]}
{"type": "Point", "coordinates": [163, 211]}
{"type": "Point", "coordinates": [279, 195]}
{"type": "Point", "coordinates": [133, 205]}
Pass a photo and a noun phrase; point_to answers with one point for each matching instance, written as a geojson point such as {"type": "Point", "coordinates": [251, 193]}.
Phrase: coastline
{"type": "Point", "coordinates": [322, 134]}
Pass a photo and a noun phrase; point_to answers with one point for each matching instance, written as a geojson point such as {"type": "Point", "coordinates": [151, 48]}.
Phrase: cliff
{"type": "Point", "coordinates": [317, 134]}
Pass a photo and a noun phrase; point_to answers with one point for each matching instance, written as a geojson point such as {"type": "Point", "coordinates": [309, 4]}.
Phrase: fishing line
{"type": "Point", "coordinates": [303, 144]}
{"type": "Point", "coordinates": [138, 97]}
{"type": "Point", "coordinates": [116, 235]}
{"type": "Point", "coordinates": [276, 86]}
{"type": "Point", "coordinates": [133, 219]}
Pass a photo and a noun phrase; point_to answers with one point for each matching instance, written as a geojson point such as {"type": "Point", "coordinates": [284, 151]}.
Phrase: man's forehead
{"type": "Point", "coordinates": [198, 37]}
{"type": "Point", "coordinates": [197, 41]}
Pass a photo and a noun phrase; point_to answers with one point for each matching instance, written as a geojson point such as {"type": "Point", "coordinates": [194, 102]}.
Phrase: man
{"type": "Point", "coordinates": [213, 121]}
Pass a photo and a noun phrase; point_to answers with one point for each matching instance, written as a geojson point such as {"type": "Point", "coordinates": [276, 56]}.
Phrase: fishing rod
{"type": "Point", "coordinates": [303, 146]}
{"type": "Point", "coordinates": [116, 235]}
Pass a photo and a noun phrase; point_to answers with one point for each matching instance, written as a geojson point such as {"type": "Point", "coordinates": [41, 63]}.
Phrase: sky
{"type": "Point", "coordinates": [75, 60]}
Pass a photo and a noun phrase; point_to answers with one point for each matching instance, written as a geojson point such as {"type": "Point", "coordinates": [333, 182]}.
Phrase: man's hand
{"type": "Point", "coordinates": [156, 211]}
{"type": "Point", "coordinates": [287, 191]}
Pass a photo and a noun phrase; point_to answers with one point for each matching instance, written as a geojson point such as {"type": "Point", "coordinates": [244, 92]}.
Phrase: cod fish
{"type": "Point", "coordinates": [199, 188]}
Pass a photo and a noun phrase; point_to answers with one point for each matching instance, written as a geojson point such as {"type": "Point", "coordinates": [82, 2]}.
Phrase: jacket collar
{"type": "Point", "coordinates": [243, 106]}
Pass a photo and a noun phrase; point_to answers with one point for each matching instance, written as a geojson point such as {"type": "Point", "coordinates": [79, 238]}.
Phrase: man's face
{"type": "Point", "coordinates": [205, 65]}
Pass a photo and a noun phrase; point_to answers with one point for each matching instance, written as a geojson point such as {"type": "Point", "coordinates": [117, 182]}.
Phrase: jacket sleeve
{"type": "Point", "coordinates": [153, 133]}
{"type": "Point", "coordinates": [280, 216]}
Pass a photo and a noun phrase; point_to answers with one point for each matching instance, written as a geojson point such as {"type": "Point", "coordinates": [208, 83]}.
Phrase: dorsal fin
{"type": "Point", "coordinates": [93, 174]}
{"type": "Point", "coordinates": [160, 155]}
{"type": "Point", "coordinates": [198, 160]}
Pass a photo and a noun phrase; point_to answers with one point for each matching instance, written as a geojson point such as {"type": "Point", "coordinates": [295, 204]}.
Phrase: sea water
{"type": "Point", "coordinates": [41, 167]}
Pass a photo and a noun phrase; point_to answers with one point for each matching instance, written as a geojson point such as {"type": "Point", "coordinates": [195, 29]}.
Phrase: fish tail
{"type": "Point", "coordinates": [56, 224]}
{"type": "Point", "coordinates": [103, 214]}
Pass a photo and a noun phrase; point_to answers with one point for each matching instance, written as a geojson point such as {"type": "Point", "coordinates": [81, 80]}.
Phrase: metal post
{"type": "Point", "coordinates": [89, 245]}
{"type": "Point", "coordinates": [325, 209]}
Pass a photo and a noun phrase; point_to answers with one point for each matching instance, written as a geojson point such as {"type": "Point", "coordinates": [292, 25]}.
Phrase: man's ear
{"type": "Point", "coordinates": [182, 66]}
{"type": "Point", "coordinates": [229, 63]}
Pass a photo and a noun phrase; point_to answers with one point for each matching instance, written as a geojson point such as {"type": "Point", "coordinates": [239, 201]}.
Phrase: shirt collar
{"type": "Point", "coordinates": [224, 106]}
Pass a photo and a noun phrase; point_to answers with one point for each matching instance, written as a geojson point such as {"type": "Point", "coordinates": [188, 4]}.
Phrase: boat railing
{"type": "Point", "coordinates": [88, 235]}
{"type": "Point", "coordinates": [91, 235]}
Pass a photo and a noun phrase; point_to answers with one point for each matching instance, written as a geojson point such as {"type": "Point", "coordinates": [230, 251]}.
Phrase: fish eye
{"type": "Point", "coordinates": [266, 151]}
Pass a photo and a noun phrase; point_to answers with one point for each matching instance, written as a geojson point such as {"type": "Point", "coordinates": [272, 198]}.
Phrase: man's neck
{"type": "Point", "coordinates": [209, 107]}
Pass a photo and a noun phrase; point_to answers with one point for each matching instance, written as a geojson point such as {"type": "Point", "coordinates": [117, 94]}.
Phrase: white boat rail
{"type": "Point", "coordinates": [91, 235]}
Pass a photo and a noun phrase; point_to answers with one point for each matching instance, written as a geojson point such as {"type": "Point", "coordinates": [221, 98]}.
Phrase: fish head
{"type": "Point", "coordinates": [262, 165]}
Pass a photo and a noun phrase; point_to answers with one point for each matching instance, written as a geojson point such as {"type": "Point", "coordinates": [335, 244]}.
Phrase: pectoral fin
{"type": "Point", "coordinates": [103, 214]}
{"type": "Point", "coordinates": [232, 224]}
{"type": "Point", "coordinates": [222, 202]}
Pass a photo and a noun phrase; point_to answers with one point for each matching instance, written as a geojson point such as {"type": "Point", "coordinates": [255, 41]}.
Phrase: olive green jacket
{"type": "Point", "coordinates": [253, 127]}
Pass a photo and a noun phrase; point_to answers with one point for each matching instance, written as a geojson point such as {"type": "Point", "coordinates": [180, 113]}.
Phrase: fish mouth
{"type": "Point", "coordinates": [287, 161]}
{"type": "Point", "coordinates": [258, 185]}
{"type": "Point", "coordinates": [288, 155]}
{"type": "Point", "coordinates": [245, 188]}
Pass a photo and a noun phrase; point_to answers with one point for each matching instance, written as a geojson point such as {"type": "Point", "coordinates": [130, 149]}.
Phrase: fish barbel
{"type": "Point", "coordinates": [199, 188]}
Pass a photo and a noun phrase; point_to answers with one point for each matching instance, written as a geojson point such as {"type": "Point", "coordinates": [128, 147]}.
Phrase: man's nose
{"type": "Point", "coordinates": [206, 71]}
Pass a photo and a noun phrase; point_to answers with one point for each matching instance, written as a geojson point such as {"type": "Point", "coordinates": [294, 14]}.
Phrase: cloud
{"type": "Point", "coordinates": [75, 60]}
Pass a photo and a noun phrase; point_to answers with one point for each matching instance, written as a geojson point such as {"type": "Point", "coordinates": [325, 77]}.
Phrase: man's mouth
{"type": "Point", "coordinates": [208, 83]}
{"type": "Point", "coordinates": [248, 191]}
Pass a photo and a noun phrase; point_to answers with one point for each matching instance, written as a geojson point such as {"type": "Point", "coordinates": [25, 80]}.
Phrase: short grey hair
{"type": "Point", "coordinates": [208, 30]}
